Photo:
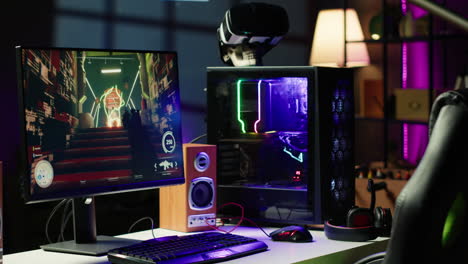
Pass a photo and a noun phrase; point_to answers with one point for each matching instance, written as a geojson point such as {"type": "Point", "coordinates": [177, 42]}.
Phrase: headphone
{"type": "Point", "coordinates": [366, 224]}
{"type": "Point", "coordinates": [362, 224]}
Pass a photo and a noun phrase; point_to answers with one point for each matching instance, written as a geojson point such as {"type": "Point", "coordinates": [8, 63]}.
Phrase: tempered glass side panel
{"type": "Point", "coordinates": [262, 133]}
{"type": "Point", "coordinates": [284, 137]}
{"type": "Point", "coordinates": [268, 204]}
{"type": "Point", "coordinates": [271, 105]}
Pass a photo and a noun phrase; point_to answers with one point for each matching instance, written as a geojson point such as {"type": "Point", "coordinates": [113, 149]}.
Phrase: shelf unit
{"type": "Point", "coordinates": [434, 40]}
{"type": "Point", "coordinates": [411, 39]}
{"type": "Point", "coordinates": [396, 121]}
{"type": "Point", "coordinates": [384, 198]}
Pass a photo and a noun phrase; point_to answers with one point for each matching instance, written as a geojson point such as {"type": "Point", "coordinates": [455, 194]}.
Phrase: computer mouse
{"type": "Point", "coordinates": [291, 234]}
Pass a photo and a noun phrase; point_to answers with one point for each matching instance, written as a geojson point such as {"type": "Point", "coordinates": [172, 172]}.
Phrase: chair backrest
{"type": "Point", "coordinates": [430, 221]}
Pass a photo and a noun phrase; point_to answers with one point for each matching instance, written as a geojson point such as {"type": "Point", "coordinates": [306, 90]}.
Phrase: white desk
{"type": "Point", "coordinates": [321, 250]}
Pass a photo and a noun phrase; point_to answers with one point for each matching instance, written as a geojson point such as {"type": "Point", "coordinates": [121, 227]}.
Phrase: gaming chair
{"type": "Point", "coordinates": [430, 221]}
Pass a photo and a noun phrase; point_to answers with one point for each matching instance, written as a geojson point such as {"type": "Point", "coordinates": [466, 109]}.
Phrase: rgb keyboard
{"type": "Point", "coordinates": [207, 247]}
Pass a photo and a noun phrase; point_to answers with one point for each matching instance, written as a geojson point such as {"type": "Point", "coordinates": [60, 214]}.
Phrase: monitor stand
{"type": "Point", "coordinates": [84, 227]}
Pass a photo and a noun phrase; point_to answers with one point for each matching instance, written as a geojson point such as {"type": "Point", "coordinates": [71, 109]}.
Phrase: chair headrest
{"type": "Point", "coordinates": [455, 97]}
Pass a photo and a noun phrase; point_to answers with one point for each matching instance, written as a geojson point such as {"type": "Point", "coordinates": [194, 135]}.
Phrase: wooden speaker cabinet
{"type": "Point", "coordinates": [190, 206]}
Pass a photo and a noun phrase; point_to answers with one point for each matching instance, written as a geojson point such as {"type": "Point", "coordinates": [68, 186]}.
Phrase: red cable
{"type": "Point", "coordinates": [236, 226]}
{"type": "Point", "coordinates": [242, 218]}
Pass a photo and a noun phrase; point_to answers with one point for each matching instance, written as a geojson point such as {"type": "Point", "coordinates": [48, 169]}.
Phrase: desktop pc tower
{"type": "Point", "coordinates": [285, 141]}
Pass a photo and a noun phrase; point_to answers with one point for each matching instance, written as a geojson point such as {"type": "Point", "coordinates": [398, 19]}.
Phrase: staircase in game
{"type": "Point", "coordinates": [95, 154]}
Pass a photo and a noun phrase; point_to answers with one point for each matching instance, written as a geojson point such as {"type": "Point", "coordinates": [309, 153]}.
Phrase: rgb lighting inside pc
{"type": "Point", "coordinates": [276, 108]}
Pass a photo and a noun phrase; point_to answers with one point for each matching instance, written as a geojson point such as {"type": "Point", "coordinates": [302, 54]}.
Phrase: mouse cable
{"type": "Point", "coordinates": [65, 215]}
{"type": "Point", "coordinates": [64, 225]}
{"type": "Point", "coordinates": [141, 219]}
{"type": "Point", "coordinates": [250, 221]}
{"type": "Point", "coordinates": [236, 226]}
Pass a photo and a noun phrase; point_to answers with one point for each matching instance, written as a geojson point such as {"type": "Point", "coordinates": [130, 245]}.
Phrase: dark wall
{"type": "Point", "coordinates": [187, 27]}
{"type": "Point", "coordinates": [21, 24]}
{"type": "Point", "coordinates": [24, 224]}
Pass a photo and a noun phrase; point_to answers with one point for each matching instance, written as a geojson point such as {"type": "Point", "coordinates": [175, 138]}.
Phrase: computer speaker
{"type": "Point", "coordinates": [191, 206]}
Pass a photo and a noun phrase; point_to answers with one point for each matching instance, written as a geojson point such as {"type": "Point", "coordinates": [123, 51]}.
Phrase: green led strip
{"type": "Point", "coordinates": [298, 158]}
{"type": "Point", "coordinates": [242, 123]}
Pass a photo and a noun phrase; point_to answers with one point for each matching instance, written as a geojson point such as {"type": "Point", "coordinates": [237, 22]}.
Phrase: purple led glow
{"type": "Point", "coordinates": [418, 78]}
{"type": "Point", "coordinates": [299, 83]}
{"type": "Point", "coordinates": [404, 66]}
{"type": "Point", "coordinates": [404, 7]}
{"type": "Point", "coordinates": [414, 75]}
{"type": "Point", "coordinates": [285, 108]}
{"type": "Point", "coordinates": [417, 11]}
{"type": "Point", "coordinates": [280, 105]}
{"type": "Point", "coordinates": [259, 106]}
{"type": "Point", "coordinates": [294, 140]}
{"type": "Point", "coordinates": [404, 82]}
{"type": "Point", "coordinates": [418, 61]}
{"type": "Point", "coordinates": [405, 141]}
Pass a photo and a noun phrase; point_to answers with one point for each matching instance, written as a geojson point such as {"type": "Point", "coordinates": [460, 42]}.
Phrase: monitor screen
{"type": "Point", "coordinates": [98, 121]}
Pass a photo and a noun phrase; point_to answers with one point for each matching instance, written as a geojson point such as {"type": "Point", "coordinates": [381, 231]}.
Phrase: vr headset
{"type": "Point", "coordinates": [248, 31]}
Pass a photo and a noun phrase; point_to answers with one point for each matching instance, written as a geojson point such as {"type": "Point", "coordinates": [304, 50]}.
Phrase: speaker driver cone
{"type": "Point", "coordinates": [201, 195]}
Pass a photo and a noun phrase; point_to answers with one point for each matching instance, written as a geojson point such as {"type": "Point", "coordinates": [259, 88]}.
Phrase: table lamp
{"type": "Point", "coordinates": [328, 47]}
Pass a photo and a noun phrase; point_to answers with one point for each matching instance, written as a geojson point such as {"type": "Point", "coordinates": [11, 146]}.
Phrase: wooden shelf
{"type": "Point", "coordinates": [384, 198]}
{"type": "Point", "coordinates": [398, 40]}
{"type": "Point", "coordinates": [374, 119]}
{"type": "Point", "coordinates": [397, 65]}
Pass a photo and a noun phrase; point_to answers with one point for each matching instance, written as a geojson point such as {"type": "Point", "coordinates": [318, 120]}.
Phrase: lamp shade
{"type": "Point", "coordinates": [328, 44]}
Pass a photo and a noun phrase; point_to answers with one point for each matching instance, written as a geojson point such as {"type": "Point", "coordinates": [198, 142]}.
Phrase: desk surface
{"type": "Point", "coordinates": [321, 250]}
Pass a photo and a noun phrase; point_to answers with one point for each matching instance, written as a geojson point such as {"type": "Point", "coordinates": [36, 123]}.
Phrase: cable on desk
{"type": "Point", "coordinates": [197, 138]}
{"type": "Point", "coordinates": [50, 218]}
{"type": "Point", "coordinates": [64, 225]}
{"type": "Point", "coordinates": [236, 226]}
{"type": "Point", "coordinates": [65, 215]}
{"type": "Point", "coordinates": [141, 219]}
{"type": "Point", "coordinates": [255, 224]}
{"type": "Point", "coordinates": [241, 219]}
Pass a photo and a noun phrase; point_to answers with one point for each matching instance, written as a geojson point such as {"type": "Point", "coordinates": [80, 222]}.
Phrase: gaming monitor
{"type": "Point", "coordinates": [97, 122]}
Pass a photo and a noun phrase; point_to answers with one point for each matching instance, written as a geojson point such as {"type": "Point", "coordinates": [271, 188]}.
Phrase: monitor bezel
{"type": "Point", "coordinates": [24, 173]}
